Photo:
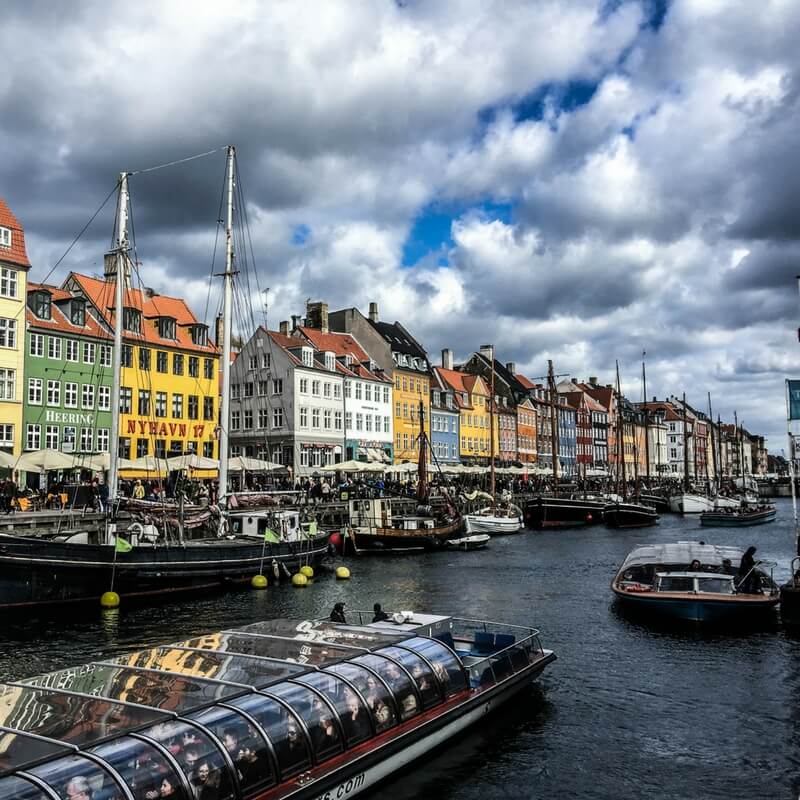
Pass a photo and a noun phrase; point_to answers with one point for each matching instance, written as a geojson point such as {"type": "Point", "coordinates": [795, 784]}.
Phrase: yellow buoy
{"type": "Point", "coordinates": [342, 573]}
{"type": "Point", "coordinates": [109, 600]}
{"type": "Point", "coordinates": [298, 579]}
{"type": "Point", "coordinates": [307, 571]}
{"type": "Point", "coordinates": [259, 581]}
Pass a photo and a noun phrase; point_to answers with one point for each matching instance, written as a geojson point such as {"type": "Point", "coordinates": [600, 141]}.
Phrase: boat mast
{"type": "Point", "coordinates": [646, 425]}
{"type": "Point", "coordinates": [119, 302]}
{"type": "Point", "coordinates": [227, 304]}
{"type": "Point", "coordinates": [422, 464]}
{"type": "Point", "coordinates": [621, 438]}
{"type": "Point", "coordinates": [713, 444]}
{"type": "Point", "coordinates": [738, 446]}
{"type": "Point", "coordinates": [551, 388]}
{"type": "Point", "coordinates": [491, 433]}
{"type": "Point", "coordinates": [685, 447]}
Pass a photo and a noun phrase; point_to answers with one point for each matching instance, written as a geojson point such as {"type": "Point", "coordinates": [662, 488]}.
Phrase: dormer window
{"type": "Point", "coordinates": [167, 329]}
{"type": "Point", "coordinates": [330, 361]}
{"type": "Point", "coordinates": [5, 237]}
{"type": "Point", "coordinates": [200, 335]}
{"type": "Point", "coordinates": [41, 305]}
{"type": "Point", "coordinates": [307, 356]}
{"type": "Point", "coordinates": [435, 398]}
{"type": "Point", "coordinates": [77, 311]}
{"type": "Point", "coordinates": [372, 366]}
{"type": "Point", "coordinates": [132, 319]}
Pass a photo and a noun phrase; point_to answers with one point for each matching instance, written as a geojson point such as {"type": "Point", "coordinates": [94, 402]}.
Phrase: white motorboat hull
{"type": "Point", "coordinates": [690, 504]}
{"type": "Point", "coordinates": [476, 542]}
{"type": "Point", "coordinates": [727, 502]}
{"type": "Point", "coordinates": [494, 526]}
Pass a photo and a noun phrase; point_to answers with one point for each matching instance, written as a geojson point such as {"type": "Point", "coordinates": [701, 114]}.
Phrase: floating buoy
{"type": "Point", "coordinates": [259, 581]}
{"type": "Point", "coordinates": [298, 579]}
{"type": "Point", "coordinates": [335, 540]}
{"type": "Point", "coordinates": [342, 573]}
{"type": "Point", "coordinates": [307, 571]}
{"type": "Point", "coordinates": [109, 600]}
{"type": "Point", "coordinates": [589, 517]}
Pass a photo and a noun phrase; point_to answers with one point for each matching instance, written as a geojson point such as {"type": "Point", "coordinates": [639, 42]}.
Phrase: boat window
{"type": "Point", "coordinates": [447, 667]}
{"type": "Point", "coordinates": [399, 682]}
{"type": "Point", "coordinates": [69, 718]}
{"type": "Point", "coordinates": [145, 770]}
{"type": "Point", "coordinates": [282, 728]}
{"type": "Point", "coordinates": [379, 700]}
{"type": "Point", "coordinates": [18, 751]}
{"type": "Point", "coordinates": [198, 757]}
{"type": "Point", "coordinates": [353, 635]}
{"type": "Point", "coordinates": [245, 746]}
{"type": "Point", "coordinates": [14, 788]}
{"type": "Point", "coordinates": [318, 716]}
{"type": "Point", "coordinates": [426, 681]}
{"type": "Point", "coordinates": [350, 707]}
{"type": "Point", "coordinates": [77, 778]}
{"type": "Point", "coordinates": [676, 584]}
{"type": "Point", "coordinates": [715, 585]}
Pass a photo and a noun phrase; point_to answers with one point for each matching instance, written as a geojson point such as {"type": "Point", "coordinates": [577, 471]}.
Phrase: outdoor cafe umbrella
{"type": "Point", "coordinates": [354, 466]}
{"type": "Point", "coordinates": [249, 464]}
{"type": "Point", "coordinates": [45, 460]}
{"type": "Point", "coordinates": [191, 461]}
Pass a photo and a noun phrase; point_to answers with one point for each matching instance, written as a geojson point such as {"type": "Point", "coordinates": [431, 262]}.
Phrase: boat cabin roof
{"type": "Point", "coordinates": [681, 553]}
{"type": "Point", "coordinates": [694, 574]}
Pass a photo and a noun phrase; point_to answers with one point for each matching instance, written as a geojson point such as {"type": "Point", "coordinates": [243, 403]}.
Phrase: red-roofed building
{"type": "Point", "coordinates": [14, 266]}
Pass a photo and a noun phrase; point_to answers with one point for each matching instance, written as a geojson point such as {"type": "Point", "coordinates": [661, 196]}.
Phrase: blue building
{"type": "Point", "coordinates": [445, 435]}
{"type": "Point", "coordinates": [568, 437]}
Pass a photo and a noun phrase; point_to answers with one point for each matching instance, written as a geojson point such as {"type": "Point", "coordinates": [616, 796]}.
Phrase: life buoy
{"type": "Point", "coordinates": [638, 588]}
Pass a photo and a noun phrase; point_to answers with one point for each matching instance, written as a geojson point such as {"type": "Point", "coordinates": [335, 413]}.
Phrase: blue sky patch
{"type": "Point", "coordinates": [300, 235]}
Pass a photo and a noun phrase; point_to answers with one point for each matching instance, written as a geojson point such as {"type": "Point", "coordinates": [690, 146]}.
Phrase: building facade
{"type": "Point", "coordinates": [14, 266]}
{"type": "Point", "coordinates": [472, 398]}
{"type": "Point", "coordinates": [445, 434]}
{"type": "Point", "coordinates": [526, 432]}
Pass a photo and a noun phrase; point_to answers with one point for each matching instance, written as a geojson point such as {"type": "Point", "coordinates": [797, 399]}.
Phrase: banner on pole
{"type": "Point", "coordinates": [793, 399]}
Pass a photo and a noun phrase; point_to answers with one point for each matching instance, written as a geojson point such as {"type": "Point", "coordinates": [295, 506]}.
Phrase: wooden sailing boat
{"type": "Point", "coordinates": [688, 502]}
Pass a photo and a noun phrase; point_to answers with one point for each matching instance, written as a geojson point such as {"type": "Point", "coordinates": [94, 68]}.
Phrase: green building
{"type": "Point", "coordinates": [68, 374]}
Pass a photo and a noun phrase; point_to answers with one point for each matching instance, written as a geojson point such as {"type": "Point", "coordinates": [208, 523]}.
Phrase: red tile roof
{"type": "Point", "coordinates": [59, 321]}
{"type": "Point", "coordinates": [526, 382]}
{"type": "Point", "coordinates": [101, 294]}
{"type": "Point", "coordinates": [343, 344]}
{"type": "Point", "coordinates": [16, 254]}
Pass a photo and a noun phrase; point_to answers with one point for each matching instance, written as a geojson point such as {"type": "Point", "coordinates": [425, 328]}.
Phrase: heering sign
{"type": "Point", "coordinates": [70, 417]}
{"type": "Point", "coordinates": [153, 428]}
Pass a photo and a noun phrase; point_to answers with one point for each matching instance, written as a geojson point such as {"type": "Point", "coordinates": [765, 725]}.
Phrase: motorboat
{"type": "Point", "coordinates": [742, 517]}
{"type": "Point", "coordinates": [549, 511]}
{"type": "Point", "coordinates": [690, 503]}
{"type": "Point", "coordinates": [494, 520]}
{"type": "Point", "coordinates": [630, 515]}
{"type": "Point", "coordinates": [272, 710]}
{"type": "Point", "coordinates": [722, 502]}
{"type": "Point", "coordinates": [693, 581]}
{"type": "Point", "coordinates": [658, 501]}
{"type": "Point", "coordinates": [476, 541]}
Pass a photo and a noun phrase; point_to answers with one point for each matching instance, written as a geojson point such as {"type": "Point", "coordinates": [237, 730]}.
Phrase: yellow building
{"type": "Point", "coordinates": [411, 388]}
{"type": "Point", "coordinates": [14, 266]}
{"type": "Point", "coordinates": [169, 387]}
{"type": "Point", "coordinates": [472, 397]}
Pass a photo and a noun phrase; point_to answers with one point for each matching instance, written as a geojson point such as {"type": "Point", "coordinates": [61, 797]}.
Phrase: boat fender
{"type": "Point", "coordinates": [275, 569]}
{"type": "Point", "coordinates": [638, 587]}
{"type": "Point", "coordinates": [286, 570]}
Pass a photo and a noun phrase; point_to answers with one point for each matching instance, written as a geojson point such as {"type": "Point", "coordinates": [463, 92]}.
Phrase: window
{"type": "Point", "coordinates": [51, 437]}
{"type": "Point", "coordinates": [6, 436]}
{"type": "Point", "coordinates": [8, 335]}
{"type": "Point", "coordinates": [54, 347]}
{"type": "Point", "coordinates": [277, 417]}
{"type": "Point", "coordinates": [327, 418]}
{"type": "Point", "coordinates": [405, 410]}
{"type": "Point", "coordinates": [167, 328]}
{"type": "Point", "coordinates": [102, 440]}
{"type": "Point", "coordinates": [177, 406]}
{"type": "Point", "coordinates": [144, 403]}
{"type": "Point", "coordinates": [263, 418]}
{"type": "Point", "coordinates": [87, 440]}
{"type": "Point", "coordinates": [248, 389]}
{"type": "Point", "coordinates": [208, 368]}
{"type": "Point", "coordinates": [8, 276]}
{"type": "Point", "coordinates": [194, 367]}
{"type": "Point", "coordinates": [307, 356]}
{"type": "Point", "coordinates": [72, 350]}
{"type": "Point", "coordinates": [359, 421]}
{"type": "Point", "coordinates": [33, 439]}
{"type": "Point", "coordinates": [236, 420]}
{"type": "Point", "coordinates": [303, 385]}
{"type": "Point", "coordinates": [160, 404]}
{"type": "Point", "coordinates": [70, 394]}
{"type": "Point", "coordinates": [105, 355]}
{"type": "Point", "coordinates": [263, 388]}
{"type": "Point", "coordinates": [125, 400]}
{"type": "Point", "coordinates": [315, 418]}
{"type": "Point", "coordinates": [126, 358]}
{"type": "Point", "coordinates": [348, 420]}
{"type": "Point", "coordinates": [235, 391]}
{"type": "Point", "coordinates": [368, 423]}
{"type": "Point", "coordinates": [87, 399]}
{"type": "Point", "coordinates": [103, 398]}
{"type": "Point", "coordinates": [265, 360]}
{"type": "Point", "coordinates": [144, 359]}
{"type": "Point", "coordinates": [303, 417]}
{"type": "Point", "coordinates": [337, 391]}
{"type": "Point", "coordinates": [347, 389]}
{"type": "Point", "coordinates": [8, 382]}
{"type": "Point", "coordinates": [177, 364]}
{"type": "Point", "coordinates": [77, 312]}
{"type": "Point", "coordinates": [88, 352]}
{"type": "Point", "coordinates": [248, 419]}
{"type": "Point", "coordinates": [326, 389]}
{"type": "Point", "coordinates": [208, 408]}
{"type": "Point", "coordinates": [387, 425]}
{"type": "Point", "coordinates": [160, 448]}
{"type": "Point", "coordinates": [132, 320]}
{"type": "Point", "coordinates": [54, 393]}
{"type": "Point", "coordinates": [358, 390]}
{"type": "Point", "coordinates": [193, 407]}
{"type": "Point", "coordinates": [142, 447]}
{"type": "Point", "coordinates": [124, 447]}
{"type": "Point", "coordinates": [277, 386]}
{"type": "Point", "coordinates": [161, 362]}
{"type": "Point", "coordinates": [199, 335]}
{"type": "Point", "coordinates": [337, 420]}
{"type": "Point", "coordinates": [368, 392]}
{"type": "Point", "coordinates": [34, 391]}
{"type": "Point", "coordinates": [315, 388]}
{"type": "Point", "coordinates": [252, 362]}
{"type": "Point", "coordinates": [208, 449]}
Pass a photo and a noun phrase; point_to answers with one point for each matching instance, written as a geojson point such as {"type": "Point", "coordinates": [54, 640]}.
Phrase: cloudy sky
{"type": "Point", "coordinates": [579, 180]}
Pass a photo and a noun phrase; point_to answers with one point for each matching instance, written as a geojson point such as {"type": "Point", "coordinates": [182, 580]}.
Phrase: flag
{"type": "Point", "coordinates": [793, 399]}
{"type": "Point", "coordinates": [122, 545]}
{"type": "Point", "coordinates": [271, 536]}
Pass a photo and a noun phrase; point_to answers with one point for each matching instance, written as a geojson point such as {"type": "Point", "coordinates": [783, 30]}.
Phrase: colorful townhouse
{"type": "Point", "coordinates": [14, 266]}
{"type": "Point", "coordinates": [607, 397]}
{"type": "Point", "coordinates": [68, 375]}
{"type": "Point", "coordinates": [169, 387]}
{"type": "Point", "coordinates": [526, 431]}
{"type": "Point", "coordinates": [445, 432]}
{"type": "Point", "coordinates": [567, 437]}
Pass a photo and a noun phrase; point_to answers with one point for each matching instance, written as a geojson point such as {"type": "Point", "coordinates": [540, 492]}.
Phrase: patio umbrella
{"type": "Point", "coordinates": [249, 464]}
{"type": "Point", "coordinates": [44, 460]}
{"type": "Point", "coordinates": [192, 461]}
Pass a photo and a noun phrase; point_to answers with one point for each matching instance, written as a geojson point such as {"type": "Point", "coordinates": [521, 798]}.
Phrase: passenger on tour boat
{"type": "Point", "coordinates": [695, 566]}
{"type": "Point", "coordinates": [337, 615]}
{"type": "Point", "coordinates": [748, 582]}
{"type": "Point", "coordinates": [78, 788]}
{"type": "Point", "coordinates": [379, 614]}
{"type": "Point", "coordinates": [205, 782]}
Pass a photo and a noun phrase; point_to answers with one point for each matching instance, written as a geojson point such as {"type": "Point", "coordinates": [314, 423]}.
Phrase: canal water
{"type": "Point", "coordinates": [627, 711]}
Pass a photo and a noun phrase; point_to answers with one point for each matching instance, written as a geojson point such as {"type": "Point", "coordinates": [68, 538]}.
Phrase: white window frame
{"type": "Point", "coordinates": [104, 399]}
{"type": "Point", "coordinates": [72, 350]}
{"type": "Point", "coordinates": [89, 353]}
{"type": "Point", "coordinates": [52, 436]}
{"type": "Point", "coordinates": [9, 279]}
{"type": "Point", "coordinates": [33, 436]}
{"type": "Point", "coordinates": [54, 392]}
{"type": "Point", "coordinates": [54, 348]}
{"type": "Point", "coordinates": [8, 384]}
{"type": "Point", "coordinates": [35, 388]}
{"type": "Point", "coordinates": [8, 333]}
{"type": "Point", "coordinates": [70, 394]}
{"type": "Point", "coordinates": [87, 396]}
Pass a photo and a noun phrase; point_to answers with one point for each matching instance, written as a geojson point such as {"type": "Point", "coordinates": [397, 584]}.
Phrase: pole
{"type": "Point", "coordinates": [621, 438]}
{"type": "Point", "coordinates": [224, 412]}
{"type": "Point", "coordinates": [551, 386]}
{"type": "Point", "coordinates": [791, 469]}
{"type": "Point", "coordinates": [685, 447]}
{"type": "Point", "coordinates": [119, 303]}
{"type": "Point", "coordinates": [646, 425]}
{"type": "Point", "coordinates": [491, 434]}
{"type": "Point", "coordinates": [713, 445]}
{"type": "Point", "coordinates": [739, 453]}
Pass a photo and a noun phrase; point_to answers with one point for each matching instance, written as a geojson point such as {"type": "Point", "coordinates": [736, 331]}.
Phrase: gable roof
{"type": "Point", "coordinates": [526, 383]}
{"type": "Point", "coordinates": [399, 339]}
{"type": "Point", "coordinates": [59, 320]}
{"type": "Point", "coordinates": [16, 254]}
{"type": "Point", "coordinates": [343, 344]}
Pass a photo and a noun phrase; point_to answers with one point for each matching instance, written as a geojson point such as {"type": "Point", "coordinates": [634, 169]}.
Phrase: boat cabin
{"type": "Point", "coordinates": [277, 526]}
{"type": "Point", "coordinates": [372, 513]}
{"type": "Point", "coordinates": [697, 582]}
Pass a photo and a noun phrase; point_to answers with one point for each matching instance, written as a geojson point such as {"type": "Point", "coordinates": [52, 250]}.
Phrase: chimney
{"type": "Point", "coordinates": [373, 312]}
{"type": "Point", "coordinates": [218, 330]}
{"type": "Point", "coordinates": [511, 367]}
{"type": "Point", "coordinates": [295, 318]}
{"type": "Point", "coordinates": [593, 380]}
{"type": "Point", "coordinates": [487, 351]}
{"type": "Point", "coordinates": [284, 327]}
{"type": "Point", "coordinates": [447, 359]}
{"type": "Point", "coordinates": [317, 316]}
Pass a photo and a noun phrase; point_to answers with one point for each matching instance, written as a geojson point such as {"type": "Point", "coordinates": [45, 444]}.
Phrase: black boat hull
{"type": "Point", "coordinates": [44, 573]}
{"type": "Point", "coordinates": [397, 540]}
{"type": "Point", "coordinates": [559, 512]}
{"type": "Point", "coordinates": [629, 515]}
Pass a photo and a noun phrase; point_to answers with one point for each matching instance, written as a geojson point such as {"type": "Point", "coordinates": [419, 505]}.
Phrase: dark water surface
{"type": "Point", "coordinates": [627, 710]}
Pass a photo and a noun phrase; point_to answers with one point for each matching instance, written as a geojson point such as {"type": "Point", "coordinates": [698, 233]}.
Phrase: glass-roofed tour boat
{"type": "Point", "coordinates": [270, 710]}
